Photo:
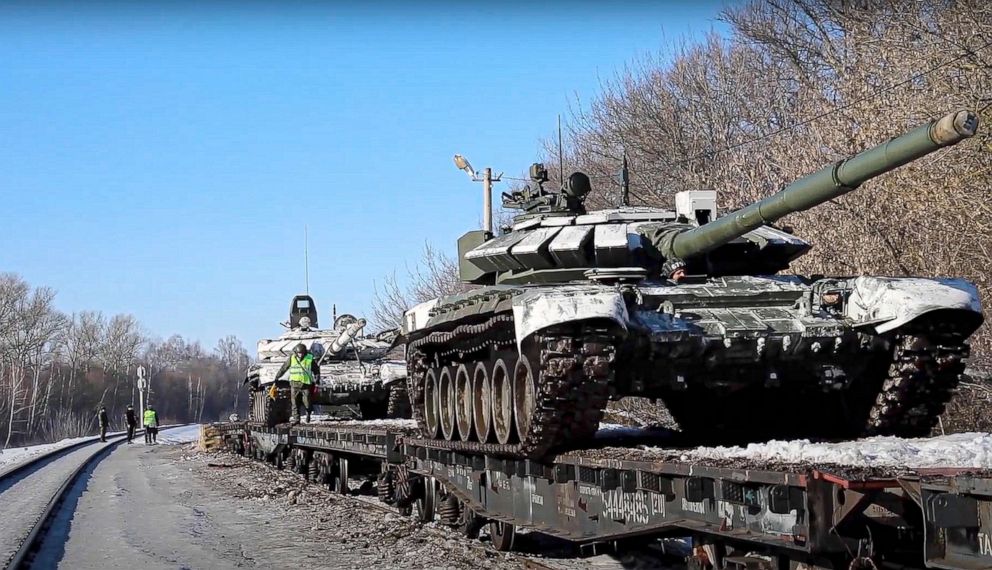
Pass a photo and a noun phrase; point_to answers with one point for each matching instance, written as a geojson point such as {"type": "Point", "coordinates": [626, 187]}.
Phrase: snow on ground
{"type": "Point", "coordinates": [962, 450]}
{"type": "Point", "coordinates": [16, 455]}
{"type": "Point", "coordinates": [183, 434]}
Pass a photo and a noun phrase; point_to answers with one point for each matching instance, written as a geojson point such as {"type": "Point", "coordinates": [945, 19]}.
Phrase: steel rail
{"type": "Point", "coordinates": [29, 547]}
{"type": "Point", "coordinates": [53, 453]}
{"type": "Point", "coordinates": [24, 555]}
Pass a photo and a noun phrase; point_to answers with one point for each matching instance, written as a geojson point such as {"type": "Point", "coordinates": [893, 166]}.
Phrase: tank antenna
{"type": "Point", "coordinates": [624, 182]}
{"type": "Point", "coordinates": [306, 258]}
{"type": "Point", "coordinates": [561, 160]}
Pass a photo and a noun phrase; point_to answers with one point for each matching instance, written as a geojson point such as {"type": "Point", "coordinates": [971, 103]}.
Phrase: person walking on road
{"type": "Point", "coordinates": [303, 373]}
{"type": "Point", "coordinates": [104, 423]}
{"type": "Point", "coordinates": [151, 425]}
{"type": "Point", "coordinates": [130, 421]}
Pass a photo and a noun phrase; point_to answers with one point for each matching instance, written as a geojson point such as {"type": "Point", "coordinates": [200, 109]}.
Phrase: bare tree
{"type": "Point", "coordinates": [435, 276]}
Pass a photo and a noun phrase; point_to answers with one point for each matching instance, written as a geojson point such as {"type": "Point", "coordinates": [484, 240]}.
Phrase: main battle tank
{"type": "Point", "coordinates": [355, 370]}
{"type": "Point", "coordinates": [574, 308]}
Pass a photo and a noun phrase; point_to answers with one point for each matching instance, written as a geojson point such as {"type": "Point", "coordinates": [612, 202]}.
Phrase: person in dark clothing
{"type": "Point", "coordinates": [104, 423]}
{"type": "Point", "coordinates": [304, 372]}
{"type": "Point", "coordinates": [130, 421]}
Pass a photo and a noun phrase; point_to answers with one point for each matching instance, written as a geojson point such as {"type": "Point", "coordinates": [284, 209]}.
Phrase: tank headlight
{"type": "Point", "coordinates": [830, 298]}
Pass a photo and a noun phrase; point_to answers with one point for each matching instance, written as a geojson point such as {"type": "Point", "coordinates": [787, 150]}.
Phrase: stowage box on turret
{"type": "Point", "coordinates": [355, 369]}
{"type": "Point", "coordinates": [574, 308]}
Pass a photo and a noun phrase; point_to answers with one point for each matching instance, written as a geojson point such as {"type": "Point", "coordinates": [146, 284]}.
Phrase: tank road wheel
{"type": "Point", "coordinates": [446, 404]}
{"type": "Point", "coordinates": [463, 403]}
{"type": "Point", "coordinates": [524, 396]}
{"type": "Point", "coordinates": [482, 402]}
{"type": "Point", "coordinates": [431, 404]}
{"type": "Point", "coordinates": [502, 401]}
{"type": "Point", "coordinates": [503, 535]}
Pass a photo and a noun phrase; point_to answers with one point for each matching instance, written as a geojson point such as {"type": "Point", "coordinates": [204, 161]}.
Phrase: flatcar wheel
{"type": "Point", "coordinates": [482, 402]}
{"type": "Point", "coordinates": [470, 523]}
{"type": "Point", "coordinates": [502, 401]}
{"type": "Point", "coordinates": [446, 403]}
{"type": "Point", "coordinates": [426, 504]}
{"type": "Point", "coordinates": [313, 470]}
{"type": "Point", "coordinates": [291, 461]}
{"type": "Point", "coordinates": [302, 462]}
{"type": "Point", "coordinates": [323, 462]}
{"type": "Point", "coordinates": [430, 404]}
{"type": "Point", "coordinates": [503, 535]}
{"type": "Point", "coordinates": [524, 396]}
{"type": "Point", "coordinates": [341, 477]}
{"type": "Point", "coordinates": [463, 403]}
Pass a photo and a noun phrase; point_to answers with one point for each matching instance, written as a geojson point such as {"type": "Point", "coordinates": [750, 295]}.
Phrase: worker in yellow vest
{"type": "Point", "coordinates": [151, 424]}
{"type": "Point", "coordinates": [304, 372]}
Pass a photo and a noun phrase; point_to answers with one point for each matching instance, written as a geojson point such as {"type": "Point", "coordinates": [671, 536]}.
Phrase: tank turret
{"type": "Point", "coordinates": [555, 240]}
{"type": "Point", "coordinates": [349, 332]}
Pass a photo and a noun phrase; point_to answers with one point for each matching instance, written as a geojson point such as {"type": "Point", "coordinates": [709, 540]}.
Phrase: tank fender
{"type": "Point", "coordinates": [392, 371]}
{"type": "Point", "coordinates": [537, 310]}
{"type": "Point", "coordinates": [891, 302]}
{"type": "Point", "coordinates": [416, 318]}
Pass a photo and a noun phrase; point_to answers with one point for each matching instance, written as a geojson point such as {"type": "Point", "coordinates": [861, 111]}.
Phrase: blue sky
{"type": "Point", "coordinates": [161, 158]}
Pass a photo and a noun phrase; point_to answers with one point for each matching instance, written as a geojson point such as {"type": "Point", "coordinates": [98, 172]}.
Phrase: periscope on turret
{"type": "Point", "coordinates": [355, 369]}
{"type": "Point", "coordinates": [574, 307]}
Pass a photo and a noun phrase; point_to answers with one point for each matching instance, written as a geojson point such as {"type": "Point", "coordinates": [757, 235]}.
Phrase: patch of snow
{"type": "Point", "coordinates": [13, 456]}
{"type": "Point", "coordinates": [608, 430]}
{"type": "Point", "coordinates": [962, 450]}
{"type": "Point", "coordinates": [383, 423]}
{"type": "Point", "coordinates": [183, 434]}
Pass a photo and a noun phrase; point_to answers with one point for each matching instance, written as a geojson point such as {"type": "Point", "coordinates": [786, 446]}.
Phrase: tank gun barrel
{"type": "Point", "coordinates": [349, 333]}
{"type": "Point", "coordinates": [828, 183]}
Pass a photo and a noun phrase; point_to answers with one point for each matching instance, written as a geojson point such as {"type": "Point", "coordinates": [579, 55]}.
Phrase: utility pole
{"type": "Point", "coordinates": [487, 189]}
{"type": "Point", "coordinates": [487, 199]}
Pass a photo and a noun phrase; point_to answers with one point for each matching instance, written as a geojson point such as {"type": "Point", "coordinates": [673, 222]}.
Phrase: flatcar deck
{"type": "Point", "coordinates": [789, 515]}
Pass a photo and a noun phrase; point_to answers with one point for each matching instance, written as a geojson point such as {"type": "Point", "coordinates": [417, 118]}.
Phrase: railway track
{"type": "Point", "coordinates": [34, 492]}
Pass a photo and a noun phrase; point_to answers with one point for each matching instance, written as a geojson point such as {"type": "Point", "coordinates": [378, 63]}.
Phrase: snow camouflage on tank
{"type": "Point", "coordinates": [355, 369]}
{"type": "Point", "coordinates": [575, 308]}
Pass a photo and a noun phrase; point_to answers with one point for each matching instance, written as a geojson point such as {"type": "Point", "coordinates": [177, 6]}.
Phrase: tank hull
{"type": "Point", "coordinates": [875, 355]}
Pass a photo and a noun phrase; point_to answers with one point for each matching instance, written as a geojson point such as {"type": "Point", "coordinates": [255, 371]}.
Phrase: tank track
{"type": "Point", "coordinates": [265, 410]}
{"type": "Point", "coordinates": [574, 370]}
{"type": "Point", "coordinates": [921, 380]}
{"type": "Point", "coordinates": [399, 401]}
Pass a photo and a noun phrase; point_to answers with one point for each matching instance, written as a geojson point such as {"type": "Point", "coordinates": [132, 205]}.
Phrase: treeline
{"type": "Point", "coordinates": [56, 369]}
{"type": "Point", "coordinates": [799, 84]}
